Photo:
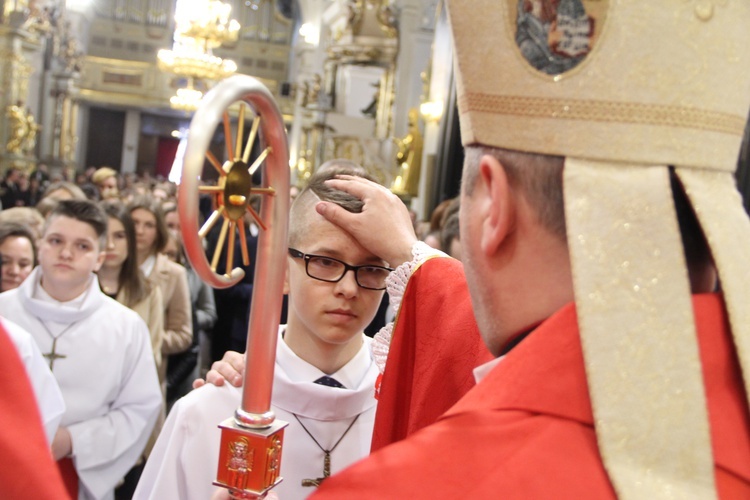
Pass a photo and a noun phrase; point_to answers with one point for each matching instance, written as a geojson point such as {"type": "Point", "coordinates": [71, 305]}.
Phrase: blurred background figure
{"type": "Point", "coordinates": [450, 235]}
{"type": "Point", "coordinates": [18, 254]}
{"type": "Point", "coordinates": [151, 236]}
{"type": "Point", "coordinates": [105, 180]}
{"type": "Point", "coordinates": [233, 304]}
{"type": "Point", "coordinates": [28, 217]}
{"type": "Point", "coordinates": [187, 366]}
{"type": "Point", "coordinates": [437, 218]}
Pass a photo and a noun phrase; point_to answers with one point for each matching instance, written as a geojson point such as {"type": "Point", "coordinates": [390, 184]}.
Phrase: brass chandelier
{"type": "Point", "coordinates": [200, 27]}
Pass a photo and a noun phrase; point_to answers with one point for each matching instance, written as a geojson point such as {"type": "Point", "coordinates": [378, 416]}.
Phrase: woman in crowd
{"type": "Point", "coordinates": [28, 217]}
{"type": "Point", "coordinates": [58, 191]}
{"type": "Point", "coordinates": [121, 278]}
{"type": "Point", "coordinates": [183, 368]}
{"type": "Point", "coordinates": [18, 254]}
{"type": "Point", "coordinates": [151, 236]}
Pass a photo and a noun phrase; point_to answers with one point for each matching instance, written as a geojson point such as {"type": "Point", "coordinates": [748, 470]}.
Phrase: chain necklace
{"type": "Point", "coordinates": [53, 354]}
{"type": "Point", "coordinates": [327, 453]}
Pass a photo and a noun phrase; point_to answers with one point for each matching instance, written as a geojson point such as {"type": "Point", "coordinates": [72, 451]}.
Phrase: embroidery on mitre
{"type": "Point", "coordinates": [555, 36]}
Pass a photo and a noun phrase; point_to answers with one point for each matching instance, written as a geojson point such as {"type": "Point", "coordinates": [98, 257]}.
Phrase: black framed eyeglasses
{"type": "Point", "coordinates": [328, 269]}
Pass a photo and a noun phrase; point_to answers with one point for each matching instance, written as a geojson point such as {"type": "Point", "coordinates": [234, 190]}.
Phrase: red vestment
{"type": "Point", "coordinates": [28, 470]}
{"type": "Point", "coordinates": [526, 431]}
{"type": "Point", "coordinates": [436, 346]}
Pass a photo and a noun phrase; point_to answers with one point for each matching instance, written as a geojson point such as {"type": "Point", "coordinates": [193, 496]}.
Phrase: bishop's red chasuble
{"type": "Point", "coordinates": [436, 345]}
{"type": "Point", "coordinates": [28, 470]}
{"type": "Point", "coordinates": [526, 431]}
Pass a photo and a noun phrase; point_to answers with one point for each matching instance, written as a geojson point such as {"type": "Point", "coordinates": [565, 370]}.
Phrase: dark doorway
{"type": "Point", "coordinates": [105, 136]}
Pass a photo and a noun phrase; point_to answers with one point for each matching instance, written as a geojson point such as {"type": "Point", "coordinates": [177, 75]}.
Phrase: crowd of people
{"type": "Point", "coordinates": [588, 338]}
{"type": "Point", "coordinates": [141, 267]}
{"type": "Point", "coordinates": [144, 269]}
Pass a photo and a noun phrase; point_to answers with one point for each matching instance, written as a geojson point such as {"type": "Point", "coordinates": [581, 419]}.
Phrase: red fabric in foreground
{"type": "Point", "coordinates": [69, 476]}
{"type": "Point", "coordinates": [435, 347]}
{"type": "Point", "coordinates": [28, 470]}
{"type": "Point", "coordinates": [526, 430]}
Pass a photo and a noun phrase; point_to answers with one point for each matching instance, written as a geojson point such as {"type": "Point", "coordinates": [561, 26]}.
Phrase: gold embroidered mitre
{"type": "Point", "coordinates": [624, 90]}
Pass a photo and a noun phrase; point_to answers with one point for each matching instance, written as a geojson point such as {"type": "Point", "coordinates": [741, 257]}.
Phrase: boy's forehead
{"type": "Point", "coordinates": [68, 226]}
{"type": "Point", "coordinates": [318, 234]}
{"type": "Point", "coordinates": [313, 224]}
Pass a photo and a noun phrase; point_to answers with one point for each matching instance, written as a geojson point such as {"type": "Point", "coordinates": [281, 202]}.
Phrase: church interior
{"type": "Point", "coordinates": [92, 83]}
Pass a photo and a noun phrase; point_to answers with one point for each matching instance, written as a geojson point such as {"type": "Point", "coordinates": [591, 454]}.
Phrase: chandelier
{"type": "Point", "coordinates": [186, 99]}
{"type": "Point", "coordinates": [200, 27]}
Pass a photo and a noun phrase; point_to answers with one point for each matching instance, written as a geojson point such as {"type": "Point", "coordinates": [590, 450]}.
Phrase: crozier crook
{"type": "Point", "coordinates": [251, 442]}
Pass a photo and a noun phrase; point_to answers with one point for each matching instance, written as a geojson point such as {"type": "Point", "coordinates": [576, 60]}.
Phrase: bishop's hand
{"type": "Point", "coordinates": [381, 208]}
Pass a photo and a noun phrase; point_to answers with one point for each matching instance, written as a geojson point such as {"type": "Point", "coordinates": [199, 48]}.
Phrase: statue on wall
{"type": "Point", "coordinates": [32, 129]}
{"type": "Point", "coordinates": [354, 10]}
{"type": "Point", "coordinates": [313, 90]}
{"type": "Point", "coordinates": [38, 19]}
{"type": "Point", "coordinates": [409, 158]}
{"type": "Point", "coordinates": [388, 18]}
{"type": "Point", "coordinates": [23, 130]}
{"type": "Point", "coordinates": [19, 128]}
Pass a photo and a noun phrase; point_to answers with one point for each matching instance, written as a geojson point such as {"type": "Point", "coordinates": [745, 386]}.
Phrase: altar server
{"type": "Point", "coordinates": [98, 350]}
{"type": "Point", "coordinates": [324, 374]}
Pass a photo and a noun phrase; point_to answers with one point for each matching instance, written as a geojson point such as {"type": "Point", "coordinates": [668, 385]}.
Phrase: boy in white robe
{"type": "Point", "coordinates": [329, 307]}
{"type": "Point", "coordinates": [98, 350]}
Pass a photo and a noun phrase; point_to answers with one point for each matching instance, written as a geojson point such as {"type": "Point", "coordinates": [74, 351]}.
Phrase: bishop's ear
{"type": "Point", "coordinates": [496, 202]}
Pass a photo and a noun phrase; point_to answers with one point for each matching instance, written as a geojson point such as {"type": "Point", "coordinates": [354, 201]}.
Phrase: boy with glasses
{"type": "Point", "coordinates": [324, 374]}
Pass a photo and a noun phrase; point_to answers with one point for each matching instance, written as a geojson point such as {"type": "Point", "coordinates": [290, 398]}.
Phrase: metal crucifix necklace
{"type": "Point", "coordinates": [52, 356]}
{"type": "Point", "coordinates": [326, 453]}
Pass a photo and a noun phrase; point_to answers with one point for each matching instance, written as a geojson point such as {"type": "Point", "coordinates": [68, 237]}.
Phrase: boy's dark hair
{"type": "Point", "coordinates": [151, 204]}
{"type": "Point", "coordinates": [347, 201]}
{"type": "Point", "coordinates": [85, 211]}
{"type": "Point", "coordinates": [9, 229]}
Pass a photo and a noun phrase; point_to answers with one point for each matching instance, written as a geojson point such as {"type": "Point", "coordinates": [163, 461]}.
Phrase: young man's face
{"type": "Point", "coordinates": [330, 313]}
{"type": "Point", "coordinates": [68, 253]}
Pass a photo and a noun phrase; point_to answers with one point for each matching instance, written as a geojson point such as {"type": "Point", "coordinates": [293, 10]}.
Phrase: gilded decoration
{"type": "Point", "coordinates": [409, 158]}
{"type": "Point", "coordinates": [240, 462]}
{"type": "Point", "coordinates": [385, 17]}
{"type": "Point", "coordinates": [23, 130]}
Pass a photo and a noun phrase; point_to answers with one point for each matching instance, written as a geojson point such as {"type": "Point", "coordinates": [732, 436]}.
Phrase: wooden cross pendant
{"type": "Point", "coordinates": [326, 472]}
{"type": "Point", "coordinates": [52, 355]}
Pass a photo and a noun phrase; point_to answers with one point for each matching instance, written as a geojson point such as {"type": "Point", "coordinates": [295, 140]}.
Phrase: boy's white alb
{"type": "Point", "coordinates": [108, 379]}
